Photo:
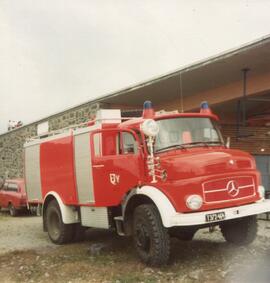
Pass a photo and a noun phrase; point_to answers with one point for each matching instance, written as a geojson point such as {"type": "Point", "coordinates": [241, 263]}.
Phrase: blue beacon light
{"type": "Point", "coordinates": [147, 105]}
{"type": "Point", "coordinates": [148, 111]}
{"type": "Point", "coordinates": [205, 108]}
{"type": "Point", "coordinates": [204, 105]}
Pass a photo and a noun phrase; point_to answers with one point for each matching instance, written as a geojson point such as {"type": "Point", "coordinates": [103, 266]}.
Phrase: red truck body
{"type": "Point", "coordinates": [109, 173]}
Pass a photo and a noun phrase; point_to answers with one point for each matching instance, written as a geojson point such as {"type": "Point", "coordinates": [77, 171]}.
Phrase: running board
{"type": "Point", "coordinates": [119, 221]}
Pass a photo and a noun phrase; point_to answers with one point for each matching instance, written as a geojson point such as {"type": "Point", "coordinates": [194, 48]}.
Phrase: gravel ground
{"type": "Point", "coordinates": [22, 233]}
{"type": "Point", "coordinates": [26, 255]}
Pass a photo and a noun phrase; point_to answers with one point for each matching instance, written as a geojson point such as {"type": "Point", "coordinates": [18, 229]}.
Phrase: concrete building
{"type": "Point", "coordinates": [236, 84]}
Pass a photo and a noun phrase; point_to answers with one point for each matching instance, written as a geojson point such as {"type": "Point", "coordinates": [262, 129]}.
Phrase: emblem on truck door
{"type": "Point", "coordinates": [232, 188]}
{"type": "Point", "coordinates": [114, 179]}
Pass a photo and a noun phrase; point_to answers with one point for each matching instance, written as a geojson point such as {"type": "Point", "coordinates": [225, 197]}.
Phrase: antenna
{"type": "Point", "coordinates": [181, 93]}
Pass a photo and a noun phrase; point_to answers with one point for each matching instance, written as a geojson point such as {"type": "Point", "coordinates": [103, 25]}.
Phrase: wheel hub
{"type": "Point", "coordinates": [54, 225]}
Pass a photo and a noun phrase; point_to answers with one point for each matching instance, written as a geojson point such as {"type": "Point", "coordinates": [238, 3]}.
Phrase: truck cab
{"type": "Point", "coordinates": [158, 176]}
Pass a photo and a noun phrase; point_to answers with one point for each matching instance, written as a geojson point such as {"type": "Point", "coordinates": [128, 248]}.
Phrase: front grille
{"type": "Point", "coordinates": [228, 189]}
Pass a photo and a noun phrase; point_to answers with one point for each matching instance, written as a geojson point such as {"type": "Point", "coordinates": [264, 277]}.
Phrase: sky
{"type": "Point", "coordinates": [56, 54]}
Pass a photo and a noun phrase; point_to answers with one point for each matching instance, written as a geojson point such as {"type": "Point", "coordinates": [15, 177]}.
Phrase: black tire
{"type": "Point", "coordinates": [58, 231]}
{"type": "Point", "coordinates": [12, 210]}
{"type": "Point", "coordinates": [151, 238]}
{"type": "Point", "coordinates": [241, 231]}
{"type": "Point", "coordinates": [183, 234]}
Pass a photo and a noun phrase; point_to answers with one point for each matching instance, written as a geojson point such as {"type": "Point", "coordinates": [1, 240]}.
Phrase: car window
{"type": "Point", "coordinates": [12, 187]}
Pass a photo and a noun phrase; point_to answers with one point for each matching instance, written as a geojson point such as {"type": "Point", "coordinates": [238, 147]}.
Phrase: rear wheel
{"type": "Point", "coordinates": [151, 238]}
{"type": "Point", "coordinates": [58, 231]}
{"type": "Point", "coordinates": [241, 231]}
{"type": "Point", "coordinates": [12, 210]}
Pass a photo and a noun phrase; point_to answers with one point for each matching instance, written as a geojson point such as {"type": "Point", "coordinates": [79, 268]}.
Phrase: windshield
{"type": "Point", "coordinates": [183, 132]}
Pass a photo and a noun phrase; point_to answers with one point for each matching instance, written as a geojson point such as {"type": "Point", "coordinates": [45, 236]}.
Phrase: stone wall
{"type": "Point", "coordinates": [11, 143]}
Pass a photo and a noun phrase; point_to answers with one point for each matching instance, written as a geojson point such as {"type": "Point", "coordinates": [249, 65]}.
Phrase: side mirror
{"type": "Point", "coordinates": [228, 142]}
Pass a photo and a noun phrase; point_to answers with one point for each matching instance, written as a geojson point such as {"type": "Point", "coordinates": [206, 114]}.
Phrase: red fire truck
{"type": "Point", "coordinates": [158, 176]}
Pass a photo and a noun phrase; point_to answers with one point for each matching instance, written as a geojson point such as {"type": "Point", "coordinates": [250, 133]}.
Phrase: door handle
{"type": "Point", "coordinates": [98, 166]}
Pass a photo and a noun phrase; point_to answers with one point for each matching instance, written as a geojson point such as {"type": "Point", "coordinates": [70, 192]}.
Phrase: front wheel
{"type": "Point", "coordinates": [151, 238]}
{"type": "Point", "coordinates": [241, 231]}
{"type": "Point", "coordinates": [59, 232]}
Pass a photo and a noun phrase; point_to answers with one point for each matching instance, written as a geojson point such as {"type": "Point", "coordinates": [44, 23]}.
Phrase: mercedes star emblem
{"type": "Point", "coordinates": [232, 188]}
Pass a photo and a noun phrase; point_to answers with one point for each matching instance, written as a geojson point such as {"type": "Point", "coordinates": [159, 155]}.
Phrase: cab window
{"type": "Point", "coordinates": [129, 144]}
{"type": "Point", "coordinates": [105, 144]}
{"type": "Point", "coordinates": [114, 143]}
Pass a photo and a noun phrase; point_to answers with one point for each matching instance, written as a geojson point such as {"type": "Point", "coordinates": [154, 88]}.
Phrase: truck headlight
{"type": "Point", "coordinates": [261, 191]}
{"type": "Point", "coordinates": [194, 202]}
{"type": "Point", "coordinates": [150, 127]}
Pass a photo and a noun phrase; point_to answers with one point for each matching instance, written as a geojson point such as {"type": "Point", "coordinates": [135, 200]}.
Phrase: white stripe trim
{"type": "Point", "coordinates": [221, 190]}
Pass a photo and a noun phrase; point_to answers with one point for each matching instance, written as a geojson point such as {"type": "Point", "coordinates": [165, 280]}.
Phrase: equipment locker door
{"type": "Point", "coordinates": [83, 167]}
{"type": "Point", "coordinates": [117, 165]}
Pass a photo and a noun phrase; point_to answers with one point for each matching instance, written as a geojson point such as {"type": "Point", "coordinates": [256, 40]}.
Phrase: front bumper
{"type": "Point", "coordinates": [199, 218]}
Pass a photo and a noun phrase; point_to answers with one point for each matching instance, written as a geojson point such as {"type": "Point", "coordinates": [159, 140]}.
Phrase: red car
{"type": "Point", "coordinates": [13, 196]}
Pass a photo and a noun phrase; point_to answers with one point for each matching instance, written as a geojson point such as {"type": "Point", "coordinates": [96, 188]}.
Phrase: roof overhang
{"type": "Point", "coordinates": [208, 74]}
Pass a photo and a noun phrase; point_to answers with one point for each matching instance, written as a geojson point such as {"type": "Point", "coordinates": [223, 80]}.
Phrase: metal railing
{"type": "Point", "coordinates": [74, 127]}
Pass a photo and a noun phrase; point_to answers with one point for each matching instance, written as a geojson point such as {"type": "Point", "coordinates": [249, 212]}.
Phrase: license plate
{"type": "Point", "coordinates": [215, 216]}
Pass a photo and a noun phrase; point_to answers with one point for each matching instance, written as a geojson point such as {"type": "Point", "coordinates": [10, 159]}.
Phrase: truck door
{"type": "Point", "coordinates": [117, 163]}
{"type": "Point", "coordinates": [13, 195]}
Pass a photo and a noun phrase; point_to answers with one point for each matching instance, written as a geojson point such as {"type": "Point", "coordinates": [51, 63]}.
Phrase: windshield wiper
{"type": "Point", "coordinates": [183, 146]}
{"type": "Point", "coordinates": [171, 146]}
{"type": "Point", "coordinates": [205, 143]}
{"type": "Point", "coordinates": [195, 143]}
{"type": "Point", "coordinates": [214, 142]}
